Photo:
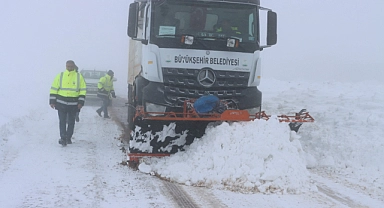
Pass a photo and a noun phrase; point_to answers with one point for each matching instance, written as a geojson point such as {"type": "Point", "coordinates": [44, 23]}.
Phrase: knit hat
{"type": "Point", "coordinates": [110, 73]}
{"type": "Point", "coordinates": [70, 62]}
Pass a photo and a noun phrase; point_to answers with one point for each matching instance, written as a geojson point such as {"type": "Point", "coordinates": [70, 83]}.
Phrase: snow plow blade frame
{"type": "Point", "coordinates": [134, 158]}
{"type": "Point", "coordinates": [189, 114]}
{"type": "Point", "coordinates": [227, 115]}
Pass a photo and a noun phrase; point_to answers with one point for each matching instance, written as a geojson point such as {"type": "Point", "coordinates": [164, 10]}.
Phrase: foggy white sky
{"type": "Point", "coordinates": [327, 40]}
{"type": "Point", "coordinates": [320, 40]}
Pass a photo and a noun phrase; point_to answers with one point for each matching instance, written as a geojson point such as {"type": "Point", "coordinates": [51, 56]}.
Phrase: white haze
{"type": "Point", "coordinates": [326, 42]}
{"type": "Point", "coordinates": [317, 40]}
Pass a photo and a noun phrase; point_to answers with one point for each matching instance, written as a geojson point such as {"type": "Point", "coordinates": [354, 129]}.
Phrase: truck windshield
{"type": "Point", "coordinates": [210, 23]}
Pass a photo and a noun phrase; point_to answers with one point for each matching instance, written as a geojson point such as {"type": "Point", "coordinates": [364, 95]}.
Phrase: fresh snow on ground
{"type": "Point", "coordinates": [244, 164]}
{"type": "Point", "coordinates": [255, 156]}
{"type": "Point", "coordinates": [337, 161]}
{"type": "Point", "coordinates": [36, 171]}
{"type": "Point", "coordinates": [262, 155]}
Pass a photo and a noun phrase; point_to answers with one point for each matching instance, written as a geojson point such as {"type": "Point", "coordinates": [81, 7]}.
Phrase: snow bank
{"type": "Point", "coordinates": [347, 136]}
{"type": "Point", "coordinates": [255, 156]}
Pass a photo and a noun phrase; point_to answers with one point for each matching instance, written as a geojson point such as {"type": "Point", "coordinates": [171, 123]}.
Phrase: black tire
{"type": "Point", "coordinates": [139, 84]}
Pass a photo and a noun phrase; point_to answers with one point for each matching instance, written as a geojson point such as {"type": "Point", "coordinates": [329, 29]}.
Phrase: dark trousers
{"type": "Point", "coordinates": [104, 107]}
{"type": "Point", "coordinates": [77, 116]}
{"type": "Point", "coordinates": [67, 118]}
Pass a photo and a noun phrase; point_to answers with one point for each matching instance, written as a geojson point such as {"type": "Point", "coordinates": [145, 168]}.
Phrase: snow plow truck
{"type": "Point", "coordinates": [192, 63]}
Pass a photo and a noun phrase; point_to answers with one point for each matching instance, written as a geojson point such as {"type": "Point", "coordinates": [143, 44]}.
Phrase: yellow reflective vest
{"type": "Point", "coordinates": [233, 29]}
{"type": "Point", "coordinates": [105, 86]}
{"type": "Point", "coordinates": [68, 89]}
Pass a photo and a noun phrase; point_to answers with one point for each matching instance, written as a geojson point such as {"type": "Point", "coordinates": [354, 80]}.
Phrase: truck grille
{"type": "Point", "coordinates": [181, 84]}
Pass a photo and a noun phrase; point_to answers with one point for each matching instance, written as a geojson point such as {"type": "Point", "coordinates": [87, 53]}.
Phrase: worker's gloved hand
{"type": "Point", "coordinates": [113, 94]}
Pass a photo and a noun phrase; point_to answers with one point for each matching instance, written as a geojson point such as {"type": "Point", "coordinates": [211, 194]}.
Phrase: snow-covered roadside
{"type": "Point", "coordinates": [347, 137]}
{"type": "Point", "coordinates": [36, 171]}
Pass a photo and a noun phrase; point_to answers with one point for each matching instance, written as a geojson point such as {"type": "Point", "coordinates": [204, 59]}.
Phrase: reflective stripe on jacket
{"type": "Point", "coordinates": [68, 88]}
{"type": "Point", "coordinates": [105, 86]}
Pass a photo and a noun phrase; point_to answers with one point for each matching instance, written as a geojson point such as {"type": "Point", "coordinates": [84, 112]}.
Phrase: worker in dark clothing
{"type": "Point", "coordinates": [105, 90]}
{"type": "Point", "coordinates": [67, 96]}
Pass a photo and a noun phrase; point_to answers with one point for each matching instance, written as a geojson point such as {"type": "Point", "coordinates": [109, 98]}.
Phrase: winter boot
{"type": "Point", "coordinates": [63, 142]}
{"type": "Point", "coordinates": [107, 117]}
{"type": "Point", "coordinates": [69, 141]}
{"type": "Point", "coordinates": [98, 112]}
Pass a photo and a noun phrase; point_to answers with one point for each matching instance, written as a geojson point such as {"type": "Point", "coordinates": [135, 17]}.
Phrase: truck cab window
{"type": "Point", "coordinates": [207, 23]}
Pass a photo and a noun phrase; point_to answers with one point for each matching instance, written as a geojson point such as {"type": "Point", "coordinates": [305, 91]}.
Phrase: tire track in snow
{"type": "Point", "coordinates": [178, 195]}
{"type": "Point", "coordinates": [94, 185]}
{"type": "Point", "coordinates": [7, 158]}
{"type": "Point", "coordinates": [204, 197]}
{"type": "Point", "coordinates": [339, 197]}
{"type": "Point", "coordinates": [190, 197]}
{"type": "Point", "coordinates": [338, 191]}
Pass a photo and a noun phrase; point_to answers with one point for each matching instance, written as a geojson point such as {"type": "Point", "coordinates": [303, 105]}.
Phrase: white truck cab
{"type": "Point", "coordinates": [187, 49]}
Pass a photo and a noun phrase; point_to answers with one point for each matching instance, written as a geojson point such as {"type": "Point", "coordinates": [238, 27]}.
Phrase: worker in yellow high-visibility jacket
{"type": "Point", "coordinates": [105, 90]}
{"type": "Point", "coordinates": [67, 96]}
{"type": "Point", "coordinates": [227, 28]}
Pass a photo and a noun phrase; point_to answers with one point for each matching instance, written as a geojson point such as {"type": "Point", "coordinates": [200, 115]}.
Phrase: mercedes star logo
{"type": "Point", "coordinates": [206, 77]}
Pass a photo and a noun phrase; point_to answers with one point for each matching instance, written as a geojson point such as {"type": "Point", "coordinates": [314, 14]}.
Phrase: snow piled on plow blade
{"type": "Point", "coordinates": [255, 156]}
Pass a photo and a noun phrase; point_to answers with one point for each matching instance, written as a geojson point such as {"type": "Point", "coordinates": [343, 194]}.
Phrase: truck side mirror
{"type": "Point", "coordinates": [132, 20]}
{"type": "Point", "coordinates": [271, 28]}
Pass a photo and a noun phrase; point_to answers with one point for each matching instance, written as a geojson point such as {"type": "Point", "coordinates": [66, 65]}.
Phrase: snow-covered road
{"type": "Point", "coordinates": [35, 171]}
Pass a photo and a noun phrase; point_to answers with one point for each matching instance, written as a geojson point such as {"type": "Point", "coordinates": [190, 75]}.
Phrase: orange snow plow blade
{"type": "Point", "coordinates": [227, 115]}
{"type": "Point", "coordinates": [194, 122]}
